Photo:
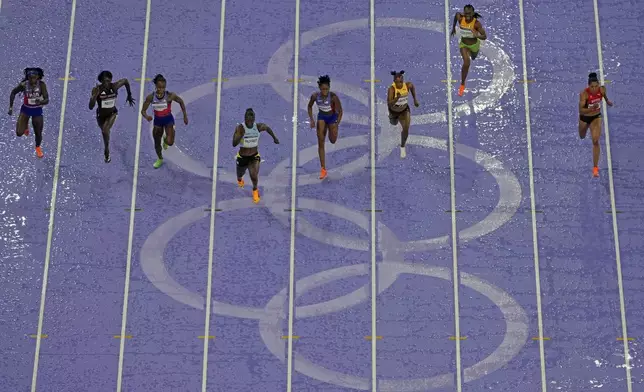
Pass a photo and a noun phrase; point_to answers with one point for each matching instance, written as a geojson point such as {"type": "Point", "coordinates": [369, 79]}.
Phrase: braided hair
{"type": "Point", "coordinates": [397, 74]}
{"type": "Point", "coordinates": [324, 79]}
{"type": "Point", "coordinates": [592, 77]}
{"type": "Point", "coordinates": [31, 71]}
{"type": "Point", "coordinates": [158, 78]}
{"type": "Point", "coordinates": [103, 75]}
{"type": "Point", "coordinates": [471, 7]}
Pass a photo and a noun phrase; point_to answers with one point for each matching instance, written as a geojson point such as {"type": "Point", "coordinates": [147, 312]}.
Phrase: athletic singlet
{"type": "Point", "coordinates": [32, 95]}
{"type": "Point", "coordinates": [251, 136]}
{"type": "Point", "coordinates": [594, 101]}
{"type": "Point", "coordinates": [107, 99]}
{"type": "Point", "coordinates": [466, 28]}
{"type": "Point", "coordinates": [404, 94]}
{"type": "Point", "coordinates": [161, 106]}
{"type": "Point", "coordinates": [325, 104]}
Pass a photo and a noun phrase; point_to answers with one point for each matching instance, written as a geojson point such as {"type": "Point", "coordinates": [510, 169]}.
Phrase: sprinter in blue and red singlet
{"type": "Point", "coordinates": [329, 117]}
{"type": "Point", "coordinates": [36, 96]}
{"type": "Point", "coordinates": [161, 101]}
{"type": "Point", "coordinates": [590, 113]}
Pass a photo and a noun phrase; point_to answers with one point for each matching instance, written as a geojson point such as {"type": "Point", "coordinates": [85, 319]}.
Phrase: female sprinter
{"type": "Point", "coordinates": [329, 117]}
{"type": "Point", "coordinates": [161, 101]}
{"type": "Point", "coordinates": [105, 95]}
{"type": "Point", "coordinates": [35, 94]}
{"type": "Point", "coordinates": [471, 32]}
{"type": "Point", "coordinates": [248, 156]}
{"type": "Point", "coordinates": [397, 101]}
{"type": "Point", "coordinates": [590, 100]}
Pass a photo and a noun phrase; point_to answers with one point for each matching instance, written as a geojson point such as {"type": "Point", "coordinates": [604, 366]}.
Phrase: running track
{"type": "Point", "coordinates": [82, 320]}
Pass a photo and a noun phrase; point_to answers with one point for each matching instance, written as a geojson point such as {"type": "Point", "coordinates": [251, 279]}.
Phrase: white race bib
{"type": "Point", "coordinates": [402, 101]}
{"type": "Point", "coordinates": [160, 106]}
{"type": "Point", "coordinates": [250, 142]}
{"type": "Point", "coordinates": [108, 103]}
{"type": "Point", "coordinates": [466, 33]}
{"type": "Point", "coordinates": [32, 101]}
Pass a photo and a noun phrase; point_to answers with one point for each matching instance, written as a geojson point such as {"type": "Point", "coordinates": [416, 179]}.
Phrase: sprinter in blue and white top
{"type": "Point", "coordinates": [329, 117]}
{"type": "Point", "coordinates": [247, 133]}
{"type": "Point", "coordinates": [35, 94]}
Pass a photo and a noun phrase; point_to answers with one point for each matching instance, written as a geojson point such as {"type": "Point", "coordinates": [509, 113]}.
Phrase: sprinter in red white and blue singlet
{"type": "Point", "coordinates": [161, 101]}
{"type": "Point", "coordinates": [35, 94]}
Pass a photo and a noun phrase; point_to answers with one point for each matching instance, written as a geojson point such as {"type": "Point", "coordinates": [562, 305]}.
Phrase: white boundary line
{"type": "Point", "coordinates": [535, 243]}
{"type": "Point", "coordinates": [213, 201]}
{"type": "Point", "coordinates": [622, 306]}
{"type": "Point", "coordinates": [455, 277]}
{"type": "Point", "coordinates": [54, 194]}
{"type": "Point", "coordinates": [291, 274]}
{"type": "Point", "coordinates": [135, 180]}
{"type": "Point", "coordinates": [374, 272]}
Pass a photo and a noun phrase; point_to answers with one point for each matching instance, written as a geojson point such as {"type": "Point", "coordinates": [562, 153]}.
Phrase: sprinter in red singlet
{"type": "Point", "coordinates": [161, 101]}
{"type": "Point", "coordinates": [35, 94]}
{"type": "Point", "coordinates": [590, 100]}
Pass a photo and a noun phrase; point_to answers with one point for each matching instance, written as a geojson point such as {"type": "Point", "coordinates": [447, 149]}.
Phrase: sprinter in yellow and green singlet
{"type": "Point", "coordinates": [471, 33]}
{"type": "Point", "coordinates": [398, 105]}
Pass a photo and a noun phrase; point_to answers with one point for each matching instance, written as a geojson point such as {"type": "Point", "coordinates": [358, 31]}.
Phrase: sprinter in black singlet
{"type": "Point", "coordinates": [106, 112]}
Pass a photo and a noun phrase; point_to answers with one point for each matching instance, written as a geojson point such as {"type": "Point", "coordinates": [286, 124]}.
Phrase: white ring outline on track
{"type": "Point", "coordinates": [271, 315]}
{"type": "Point", "coordinates": [509, 187]}
{"type": "Point", "coordinates": [489, 162]}
{"type": "Point", "coordinates": [277, 74]}
{"type": "Point", "coordinates": [154, 268]}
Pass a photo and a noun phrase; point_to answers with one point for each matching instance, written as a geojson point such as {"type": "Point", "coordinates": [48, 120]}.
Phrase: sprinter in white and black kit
{"type": "Point", "coordinates": [105, 95]}
{"type": "Point", "coordinates": [248, 133]}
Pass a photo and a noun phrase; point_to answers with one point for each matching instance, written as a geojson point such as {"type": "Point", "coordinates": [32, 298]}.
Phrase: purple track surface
{"type": "Point", "coordinates": [82, 319]}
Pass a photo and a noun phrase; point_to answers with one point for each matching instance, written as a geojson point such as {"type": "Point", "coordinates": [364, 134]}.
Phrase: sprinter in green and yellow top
{"type": "Point", "coordinates": [471, 33]}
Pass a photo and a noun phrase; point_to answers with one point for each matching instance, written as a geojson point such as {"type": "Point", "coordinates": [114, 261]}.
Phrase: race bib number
{"type": "Point", "coordinates": [402, 101]}
{"type": "Point", "coordinates": [250, 141]}
{"type": "Point", "coordinates": [160, 106]}
{"type": "Point", "coordinates": [466, 33]}
{"type": "Point", "coordinates": [108, 103]}
{"type": "Point", "coordinates": [32, 101]}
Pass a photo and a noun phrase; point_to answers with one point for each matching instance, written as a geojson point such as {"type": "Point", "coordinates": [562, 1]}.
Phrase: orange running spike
{"type": "Point", "coordinates": [322, 173]}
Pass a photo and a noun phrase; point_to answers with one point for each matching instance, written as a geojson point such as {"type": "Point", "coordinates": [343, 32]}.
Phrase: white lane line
{"type": "Point", "coordinates": [450, 127]}
{"type": "Point", "coordinates": [135, 180]}
{"type": "Point", "coordinates": [213, 200]}
{"type": "Point", "coordinates": [374, 274]}
{"type": "Point", "coordinates": [54, 194]}
{"type": "Point", "coordinates": [609, 162]}
{"type": "Point", "coordinates": [535, 244]}
{"type": "Point", "coordinates": [291, 274]}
